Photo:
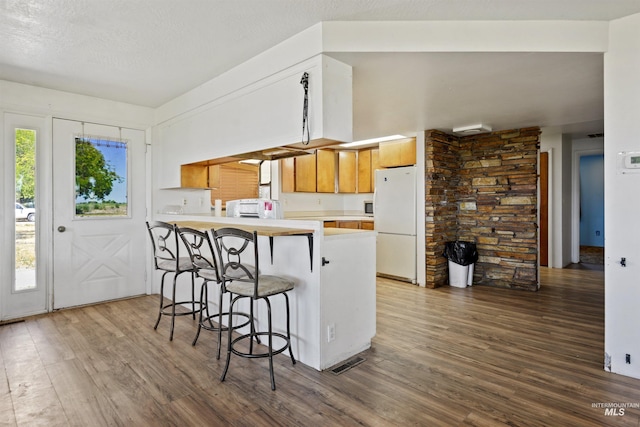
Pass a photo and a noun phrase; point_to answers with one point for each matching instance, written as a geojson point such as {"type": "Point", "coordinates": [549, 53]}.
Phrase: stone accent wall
{"type": "Point", "coordinates": [483, 189]}
{"type": "Point", "coordinates": [441, 183]}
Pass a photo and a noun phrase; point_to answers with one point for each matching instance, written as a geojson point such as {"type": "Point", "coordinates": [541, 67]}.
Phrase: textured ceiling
{"type": "Point", "coordinates": [147, 52]}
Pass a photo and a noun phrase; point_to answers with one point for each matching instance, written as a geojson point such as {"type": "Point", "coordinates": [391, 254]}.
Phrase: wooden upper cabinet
{"type": "Point", "coordinates": [364, 172]}
{"type": "Point", "coordinates": [397, 153]}
{"type": "Point", "coordinates": [347, 171]}
{"type": "Point", "coordinates": [326, 170]}
{"type": "Point", "coordinates": [305, 173]}
{"type": "Point", "coordinates": [375, 165]}
{"type": "Point", "coordinates": [198, 176]}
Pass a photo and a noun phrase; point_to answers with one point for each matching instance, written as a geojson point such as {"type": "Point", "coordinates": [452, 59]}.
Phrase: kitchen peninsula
{"type": "Point", "coordinates": [333, 305]}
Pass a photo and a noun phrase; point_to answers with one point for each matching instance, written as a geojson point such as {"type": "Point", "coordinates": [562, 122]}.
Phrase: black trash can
{"type": "Point", "coordinates": [462, 257]}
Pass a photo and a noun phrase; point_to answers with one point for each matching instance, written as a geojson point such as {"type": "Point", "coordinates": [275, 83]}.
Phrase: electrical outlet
{"type": "Point", "coordinates": [184, 202]}
{"type": "Point", "coordinates": [319, 201]}
{"type": "Point", "coordinates": [331, 332]}
{"type": "Point", "coordinates": [627, 358]}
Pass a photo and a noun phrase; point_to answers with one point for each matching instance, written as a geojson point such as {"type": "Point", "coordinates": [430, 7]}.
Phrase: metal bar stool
{"type": "Point", "coordinates": [238, 255]}
{"type": "Point", "coordinates": [166, 258]}
{"type": "Point", "coordinates": [203, 260]}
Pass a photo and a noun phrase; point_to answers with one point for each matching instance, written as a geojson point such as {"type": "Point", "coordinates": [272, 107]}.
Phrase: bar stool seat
{"type": "Point", "coordinates": [269, 285]}
{"type": "Point", "coordinates": [238, 255]}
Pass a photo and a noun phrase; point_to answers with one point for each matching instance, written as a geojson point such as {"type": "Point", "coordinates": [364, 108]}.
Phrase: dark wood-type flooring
{"type": "Point", "coordinates": [592, 255]}
{"type": "Point", "coordinates": [476, 356]}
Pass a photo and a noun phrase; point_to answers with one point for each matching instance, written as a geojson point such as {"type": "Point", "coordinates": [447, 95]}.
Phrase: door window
{"type": "Point", "coordinates": [101, 177]}
{"type": "Point", "coordinates": [25, 228]}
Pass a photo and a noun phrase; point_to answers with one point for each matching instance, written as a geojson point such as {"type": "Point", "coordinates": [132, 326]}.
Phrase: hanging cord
{"type": "Point", "coordinates": [305, 108]}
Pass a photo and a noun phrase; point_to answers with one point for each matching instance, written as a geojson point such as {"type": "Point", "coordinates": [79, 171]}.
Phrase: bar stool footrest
{"type": "Point", "coordinates": [278, 350]}
{"type": "Point", "coordinates": [209, 327]}
{"type": "Point", "coordinates": [166, 309]}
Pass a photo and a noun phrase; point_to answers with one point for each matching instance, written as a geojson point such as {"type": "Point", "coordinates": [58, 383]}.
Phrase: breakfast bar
{"type": "Point", "coordinates": [262, 230]}
{"type": "Point", "coordinates": [333, 308]}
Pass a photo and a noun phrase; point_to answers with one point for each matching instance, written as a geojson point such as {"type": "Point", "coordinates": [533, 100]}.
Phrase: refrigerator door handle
{"type": "Point", "coordinates": [374, 201]}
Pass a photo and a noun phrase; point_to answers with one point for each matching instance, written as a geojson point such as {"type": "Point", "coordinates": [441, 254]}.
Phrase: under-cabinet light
{"type": "Point", "coordinates": [372, 140]}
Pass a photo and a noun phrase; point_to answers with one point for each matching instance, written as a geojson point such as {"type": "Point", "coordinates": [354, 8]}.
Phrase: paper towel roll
{"type": "Point", "coordinates": [218, 204]}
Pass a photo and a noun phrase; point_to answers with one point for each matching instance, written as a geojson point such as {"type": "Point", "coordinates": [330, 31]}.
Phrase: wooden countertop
{"type": "Point", "coordinates": [262, 230]}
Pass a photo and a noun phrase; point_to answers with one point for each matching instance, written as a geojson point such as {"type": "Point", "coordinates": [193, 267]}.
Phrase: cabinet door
{"type": "Point", "coordinates": [364, 171]}
{"type": "Point", "coordinates": [287, 175]}
{"type": "Point", "coordinates": [366, 225]}
{"type": "Point", "coordinates": [408, 152]}
{"type": "Point", "coordinates": [326, 171]}
{"type": "Point", "coordinates": [375, 165]}
{"type": "Point", "coordinates": [305, 173]}
{"type": "Point", "coordinates": [346, 172]}
{"type": "Point", "coordinates": [349, 224]}
{"type": "Point", "coordinates": [194, 176]}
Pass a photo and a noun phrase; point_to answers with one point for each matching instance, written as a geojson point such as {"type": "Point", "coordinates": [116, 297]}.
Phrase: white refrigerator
{"type": "Point", "coordinates": [394, 213]}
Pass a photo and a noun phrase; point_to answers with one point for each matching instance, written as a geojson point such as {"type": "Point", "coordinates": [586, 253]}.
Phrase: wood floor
{"type": "Point", "coordinates": [476, 356]}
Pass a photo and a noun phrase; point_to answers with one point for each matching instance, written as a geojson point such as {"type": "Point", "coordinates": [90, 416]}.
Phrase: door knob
{"type": "Point", "coordinates": [324, 261]}
{"type": "Point", "coordinates": [62, 229]}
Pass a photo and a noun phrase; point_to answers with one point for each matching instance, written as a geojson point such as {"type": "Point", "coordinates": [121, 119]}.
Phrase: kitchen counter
{"type": "Point", "coordinates": [337, 293]}
{"type": "Point", "coordinates": [334, 218]}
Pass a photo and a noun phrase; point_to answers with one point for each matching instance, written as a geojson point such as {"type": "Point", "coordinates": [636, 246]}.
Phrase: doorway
{"type": "Point", "coordinates": [591, 214]}
{"type": "Point", "coordinates": [544, 209]}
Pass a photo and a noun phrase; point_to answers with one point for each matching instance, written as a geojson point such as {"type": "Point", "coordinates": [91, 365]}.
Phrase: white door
{"type": "Point", "coordinates": [396, 255]}
{"type": "Point", "coordinates": [98, 213]}
{"type": "Point", "coordinates": [395, 200]}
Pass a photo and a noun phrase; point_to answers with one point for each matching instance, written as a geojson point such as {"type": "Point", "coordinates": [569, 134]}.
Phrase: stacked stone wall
{"type": "Point", "coordinates": [483, 189]}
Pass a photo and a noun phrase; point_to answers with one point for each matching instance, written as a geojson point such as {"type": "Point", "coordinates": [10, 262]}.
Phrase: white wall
{"type": "Point", "coordinates": [247, 117]}
{"type": "Point", "coordinates": [567, 183]}
{"type": "Point", "coordinates": [621, 115]}
{"type": "Point", "coordinates": [559, 147]}
{"type": "Point", "coordinates": [324, 203]}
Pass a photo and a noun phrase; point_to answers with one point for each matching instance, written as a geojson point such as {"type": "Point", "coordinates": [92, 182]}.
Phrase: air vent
{"type": "Point", "coordinates": [348, 365]}
{"type": "Point", "coordinates": [471, 130]}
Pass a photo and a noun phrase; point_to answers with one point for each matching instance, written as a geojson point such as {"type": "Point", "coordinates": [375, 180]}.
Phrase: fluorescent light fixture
{"type": "Point", "coordinates": [468, 130]}
{"type": "Point", "coordinates": [372, 141]}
